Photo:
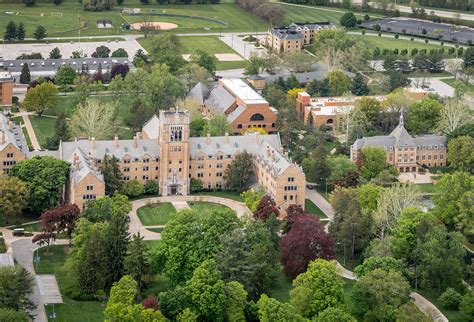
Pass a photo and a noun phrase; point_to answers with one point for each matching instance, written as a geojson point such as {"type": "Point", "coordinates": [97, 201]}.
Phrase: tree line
{"type": "Point", "coordinates": [264, 10]}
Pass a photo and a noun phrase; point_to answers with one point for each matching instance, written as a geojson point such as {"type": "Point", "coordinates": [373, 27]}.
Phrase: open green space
{"type": "Point", "coordinates": [313, 14]}
{"type": "Point", "coordinates": [34, 227]}
{"type": "Point", "coordinates": [451, 82]}
{"type": "Point", "coordinates": [152, 244]}
{"type": "Point", "coordinates": [391, 43]}
{"type": "Point", "coordinates": [66, 19]}
{"type": "Point", "coordinates": [71, 310]}
{"type": "Point", "coordinates": [229, 194]}
{"type": "Point", "coordinates": [206, 207]}
{"type": "Point", "coordinates": [156, 230]}
{"type": "Point", "coordinates": [428, 188]}
{"type": "Point", "coordinates": [43, 127]}
{"type": "Point", "coordinates": [311, 208]}
{"type": "Point", "coordinates": [156, 214]}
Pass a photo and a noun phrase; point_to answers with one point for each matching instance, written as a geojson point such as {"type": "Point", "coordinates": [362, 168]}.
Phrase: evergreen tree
{"type": "Point", "coordinates": [136, 261]}
{"type": "Point", "coordinates": [20, 33]}
{"type": "Point", "coordinates": [25, 76]}
{"type": "Point", "coordinates": [116, 246]}
{"type": "Point", "coordinates": [40, 33]}
{"type": "Point", "coordinates": [112, 175]}
{"type": "Point", "coordinates": [57, 2]}
{"type": "Point", "coordinates": [321, 168]}
{"type": "Point", "coordinates": [239, 173]}
{"type": "Point", "coordinates": [10, 31]}
{"type": "Point", "coordinates": [29, 3]}
{"type": "Point", "coordinates": [359, 85]}
{"type": "Point", "coordinates": [61, 132]}
{"type": "Point", "coordinates": [55, 53]}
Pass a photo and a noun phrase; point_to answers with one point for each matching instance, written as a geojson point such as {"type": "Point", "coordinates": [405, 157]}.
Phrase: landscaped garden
{"type": "Point", "coordinates": [206, 207]}
{"type": "Point", "coordinates": [156, 214]}
{"type": "Point", "coordinates": [229, 194]}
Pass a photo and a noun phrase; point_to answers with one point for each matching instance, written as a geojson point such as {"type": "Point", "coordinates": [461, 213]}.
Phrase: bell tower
{"type": "Point", "coordinates": [173, 138]}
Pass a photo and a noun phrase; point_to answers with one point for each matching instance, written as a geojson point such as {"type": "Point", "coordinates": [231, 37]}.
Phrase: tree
{"type": "Point", "coordinates": [101, 52]}
{"type": "Point", "coordinates": [305, 241]}
{"type": "Point", "coordinates": [339, 83]}
{"type": "Point", "coordinates": [94, 119]}
{"type": "Point", "coordinates": [183, 248]}
{"type": "Point", "coordinates": [450, 299]}
{"type": "Point", "coordinates": [136, 261]}
{"type": "Point", "coordinates": [65, 75]}
{"type": "Point", "coordinates": [61, 132]}
{"type": "Point", "coordinates": [14, 197]}
{"type": "Point", "coordinates": [252, 198]}
{"type": "Point", "coordinates": [378, 295]}
{"type": "Point", "coordinates": [386, 263]}
{"type": "Point", "coordinates": [247, 255]}
{"type": "Point", "coordinates": [103, 208]}
{"type": "Point", "coordinates": [423, 116]}
{"type": "Point", "coordinates": [165, 49]}
{"type": "Point", "coordinates": [320, 167]}
{"type": "Point", "coordinates": [265, 208]}
{"type": "Point", "coordinates": [132, 188]}
{"type": "Point", "coordinates": [25, 76]}
{"type": "Point", "coordinates": [317, 289]}
{"type": "Point", "coordinates": [454, 201]}
{"type": "Point", "coordinates": [236, 301]}
{"type": "Point", "coordinates": [192, 74]}
{"type": "Point", "coordinates": [16, 284]}
{"type": "Point", "coordinates": [467, 306]}
{"type": "Point", "coordinates": [468, 58]}
{"type": "Point", "coordinates": [110, 169]}
{"type": "Point", "coordinates": [359, 85]}
{"type": "Point", "coordinates": [454, 115]}
{"type": "Point", "coordinates": [10, 31]}
{"type": "Point", "coordinates": [332, 314]}
{"type": "Point", "coordinates": [13, 315]}
{"type": "Point", "coordinates": [298, 62]}
{"type": "Point", "coordinates": [270, 310]}
{"type": "Point", "coordinates": [45, 178]}
{"type": "Point", "coordinates": [21, 31]}
{"type": "Point", "coordinates": [461, 154]}
{"type": "Point", "coordinates": [41, 98]}
{"type": "Point", "coordinates": [348, 20]}
{"type": "Point", "coordinates": [121, 307]}
{"type": "Point", "coordinates": [442, 263]}
{"type": "Point", "coordinates": [340, 166]}
{"type": "Point", "coordinates": [40, 32]}
{"type": "Point", "coordinates": [55, 53]}
{"type": "Point", "coordinates": [120, 52]}
{"type": "Point", "coordinates": [61, 219]}
{"type": "Point", "coordinates": [239, 173]}
{"type": "Point", "coordinates": [119, 70]}
{"type": "Point", "coordinates": [204, 60]}
{"type": "Point", "coordinates": [373, 162]}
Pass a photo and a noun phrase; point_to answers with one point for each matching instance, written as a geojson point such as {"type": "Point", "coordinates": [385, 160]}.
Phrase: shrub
{"type": "Point", "coordinates": [395, 51]}
{"type": "Point", "coordinates": [412, 39]}
{"type": "Point", "coordinates": [450, 299]}
{"type": "Point", "coordinates": [363, 32]}
{"type": "Point", "coordinates": [424, 31]}
{"type": "Point", "coordinates": [376, 27]}
{"type": "Point", "coordinates": [151, 187]}
{"type": "Point", "coordinates": [196, 185]}
{"type": "Point", "coordinates": [366, 17]}
{"type": "Point", "coordinates": [120, 53]}
{"type": "Point", "coordinates": [396, 36]}
{"type": "Point", "coordinates": [467, 306]}
{"type": "Point", "coordinates": [380, 34]}
{"type": "Point", "coordinates": [427, 41]}
{"type": "Point", "coordinates": [132, 188]}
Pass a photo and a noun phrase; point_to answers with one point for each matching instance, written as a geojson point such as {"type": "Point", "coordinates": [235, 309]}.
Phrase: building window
{"type": "Point", "coordinates": [200, 175]}
{"type": "Point", "coordinates": [219, 174]}
{"type": "Point", "coordinates": [126, 178]}
{"type": "Point", "coordinates": [89, 197]}
{"type": "Point", "coordinates": [291, 179]}
{"type": "Point", "coordinates": [146, 168]}
{"type": "Point", "coordinates": [90, 188]}
{"type": "Point", "coordinates": [219, 166]}
{"type": "Point", "coordinates": [239, 126]}
{"type": "Point", "coordinates": [9, 155]}
{"type": "Point", "coordinates": [145, 177]}
{"type": "Point", "coordinates": [176, 133]}
{"type": "Point", "coordinates": [220, 157]}
{"type": "Point", "coordinates": [257, 117]}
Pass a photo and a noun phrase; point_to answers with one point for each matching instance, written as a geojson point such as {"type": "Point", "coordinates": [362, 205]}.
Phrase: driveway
{"type": "Point", "coordinates": [435, 84]}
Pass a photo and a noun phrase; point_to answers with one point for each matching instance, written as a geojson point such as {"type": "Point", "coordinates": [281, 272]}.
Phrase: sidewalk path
{"type": "Point", "coordinates": [321, 202]}
{"type": "Point", "coordinates": [29, 128]}
{"type": "Point", "coordinates": [136, 225]}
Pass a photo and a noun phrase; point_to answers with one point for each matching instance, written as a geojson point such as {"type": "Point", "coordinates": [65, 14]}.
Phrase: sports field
{"type": "Point", "coordinates": [391, 43]}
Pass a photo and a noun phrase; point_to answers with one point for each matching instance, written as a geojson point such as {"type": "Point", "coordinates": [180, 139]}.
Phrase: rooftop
{"type": "Point", "coordinates": [241, 89]}
{"type": "Point", "coordinates": [5, 76]}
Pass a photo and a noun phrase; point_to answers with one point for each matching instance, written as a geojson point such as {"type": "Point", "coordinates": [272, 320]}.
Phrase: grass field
{"type": "Point", "coordinates": [203, 207]}
{"type": "Point", "coordinates": [71, 310]}
{"type": "Point", "coordinates": [74, 17]}
{"type": "Point", "coordinates": [43, 127]}
{"type": "Point", "coordinates": [311, 208]}
{"type": "Point", "coordinates": [29, 227]}
{"type": "Point", "coordinates": [229, 194]}
{"type": "Point", "coordinates": [315, 13]}
{"type": "Point", "coordinates": [451, 82]}
{"type": "Point", "coordinates": [155, 230]}
{"type": "Point", "coordinates": [391, 43]}
{"type": "Point", "coordinates": [428, 188]}
{"type": "Point", "coordinates": [156, 214]}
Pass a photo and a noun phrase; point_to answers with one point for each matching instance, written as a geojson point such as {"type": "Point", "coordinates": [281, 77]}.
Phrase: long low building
{"type": "Point", "coordinates": [165, 153]}
{"type": "Point", "coordinates": [48, 67]}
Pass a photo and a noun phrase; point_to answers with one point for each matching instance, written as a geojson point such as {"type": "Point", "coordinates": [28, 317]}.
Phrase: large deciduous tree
{"type": "Point", "coordinates": [239, 173]}
{"type": "Point", "coordinates": [270, 309]}
{"type": "Point", "coordinates": [454, 115]}
{"type": "Point", "coordinates": [65, 75]}
{"type": "Point", "coordinates": [218, 125]}
{"type": "Point", "coordinates": [94, 119]}
{"type": "Point", "coordinates": [41, 98]}
{"type": "Point", "coordinates": [265, 208]}
{"type": "Point", "coordinates": [305, 241]}
{"type": "Point", "coordinates": [373, 162]}
{"type": "Point", "coordinates": [16, 284]}
{"type": "Point", "coordinates": [14, 195]}
{"type": "Point", "coordinates": [103, 208]}
{"type": "Point", "coordinates": [318, 288]}
{"type": "Point", "coordinates": [423, 116]}
{"type": "Point", "coordinates": [45, 178]}
{"type": "Point", "coordinates": [60, 219]}
{"type": "Point", "coordinates": [461, 154]}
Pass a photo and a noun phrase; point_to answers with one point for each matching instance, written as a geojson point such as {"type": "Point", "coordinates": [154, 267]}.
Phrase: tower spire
{"type": "Point", "coordinates": [402, 119]}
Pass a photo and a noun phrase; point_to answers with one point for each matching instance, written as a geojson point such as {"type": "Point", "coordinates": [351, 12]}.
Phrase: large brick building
{"type": "Point", "coordinates": [405, 152]}
{"type": "Point", "coordinates": [294, 37]}
{"type": "Point", "coordinates": [164, 152]}
{"type": "Point", "coordinates": [242, 105]}
{"type": "Point", "coordinates": [6, 91]}
{"type": "Point", "coordinates": [13, 147]}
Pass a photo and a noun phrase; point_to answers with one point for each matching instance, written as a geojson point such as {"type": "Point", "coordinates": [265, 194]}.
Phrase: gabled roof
{"type": "Point", "coordinates": [13, 135]}
{"type": "Point", "coordinates": [151, 127]}
{"type": "Point", "coordinates": [219, 100]}
{"type": "Point", "coordinates": [235, 113]}
{"type": "Point", "coordinates": [200, 92]}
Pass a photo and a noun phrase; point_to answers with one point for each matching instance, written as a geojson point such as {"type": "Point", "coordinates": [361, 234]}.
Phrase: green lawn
{"type": "Point", "coordinates": [206, 207]}
{"type": "Point", "coordinates": [156, 214]}
{"type": "Point", "coordinates": [156, 230]}
{"type": "Point", "coordinates": [74, 17]}
{"type": "Point", "coordinates": [35, 227]}
{"type": "Point", "coordinates": [152, 244]}
{"type": "Point", "coordinates": [71, 310]}
{"type": "Point", "coordinates": [280, 290]}
{"type": "Point", "coordinates": [43, 127]}
{"type": "Point", "coordinates": [432, 296]}
{"type": "Point", "coordinates": [27, 138]}
{"type": "Point", "coordinates": [451, 82]}
{"type": "Point", "coordinates": [311, 208]}
{"type": "Point", "coordinates": [391, 43]}
{"type": "Point", "coordinates": [229, 194]}
{"type": "Point", "coordinates": [303, 14]}
{"type": "Point", "coordinates": [428, 188]}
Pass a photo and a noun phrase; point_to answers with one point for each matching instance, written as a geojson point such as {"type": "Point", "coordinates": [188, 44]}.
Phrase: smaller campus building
{"type": "Point", "coordinates": [294, 37]}
{"type": "Point", "coordinates": [403, 151]}
{"type": "Point", "coordinates": [324, 111]}
{"type": "Point", "coordinates": [242, 105]}
{"type": "Point", "coordinates": [13, 147]}
{"type": "Point", "coordinates": [6, 91]}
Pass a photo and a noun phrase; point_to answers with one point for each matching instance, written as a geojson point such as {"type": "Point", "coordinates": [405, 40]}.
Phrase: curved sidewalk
{"type": "Point", "coordinates": [136, 225]}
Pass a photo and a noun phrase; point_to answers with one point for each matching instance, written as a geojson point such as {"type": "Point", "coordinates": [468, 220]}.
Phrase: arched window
{"type": "Point", "coordinates": [257, 117]}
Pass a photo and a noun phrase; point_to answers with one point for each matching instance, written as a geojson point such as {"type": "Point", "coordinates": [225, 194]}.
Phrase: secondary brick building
{"type": "Point", "coordinates": [405, 152]}
{"type": "Point", "coordinates": [6, 90]}
{"type": "Point", "coordinates": [13, 147]}
{"type": "Point", "coordinates": [242, 105]}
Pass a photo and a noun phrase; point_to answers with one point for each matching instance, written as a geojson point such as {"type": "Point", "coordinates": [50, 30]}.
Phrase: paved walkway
{"type": "Point", "coordinates": [136, 225]}
{"type": "Point", "coordinates": [29, 128]}
{"type": "Point", "coordinates": [321, 202]}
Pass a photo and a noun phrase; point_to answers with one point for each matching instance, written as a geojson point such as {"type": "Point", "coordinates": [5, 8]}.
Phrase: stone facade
{"type": "Point", "coordinates": [242, 105]}
{"type": "Point", "coordinates": [13, 147]}
{"type": "Point", "coordinates": [405, 152]}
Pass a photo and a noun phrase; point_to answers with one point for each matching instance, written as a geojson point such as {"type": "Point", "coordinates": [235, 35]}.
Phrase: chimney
{"type": "Point", "coordinates": [208, 141]}
{"type": "Point", "coordinates": [92, 143]}
{"type": "Point", "coordinates": [226, 138]}
{"type": "Point", "coordinates": [267, 151]}
{"type": "Point", "coordinates": [10, 125]}
{"type": "Point", "coordinates": [116, 141]}
{"type": "Point", "coordinates": [2, 137]}
{"type": "Point", "coordinates": [135, 141]}
{"type": "Point", "coordinates": [75, 161]}
{"type": "Point", "coordinates": [273, 155]}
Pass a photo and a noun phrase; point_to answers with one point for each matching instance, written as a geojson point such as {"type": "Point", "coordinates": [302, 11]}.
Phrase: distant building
{"type": "Point", "coordinates": [403, 151]}
{"type": "Point", "coordinates": [242, 105]}
{"type": "Point", "coordinates": [6, 91]}
{"type": "Point", "coordinates": [13, 147]}
{"type": "Point", "coordinates": [294, 37]}
{"type": "Point", "coordinates": [48, 67]}
{"type": "Point", "coordinates": [324, 110]}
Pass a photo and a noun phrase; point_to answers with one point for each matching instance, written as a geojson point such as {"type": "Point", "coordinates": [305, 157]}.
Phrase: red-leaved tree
{"type": "Point", "coordinates": [350, 180]}
{"type": "Point", "coordinates": [265, 208]}
{"type": "Point", "coordinates": [60, 219]}
{"type": "Point", "coordinates": [305, 241]}
{"type": "Point", "coordinates": [150, 303]}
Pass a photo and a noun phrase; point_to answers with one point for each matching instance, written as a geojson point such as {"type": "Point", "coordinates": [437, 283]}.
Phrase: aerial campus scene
{"type": "Point", "coordinates": [236, 160]}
